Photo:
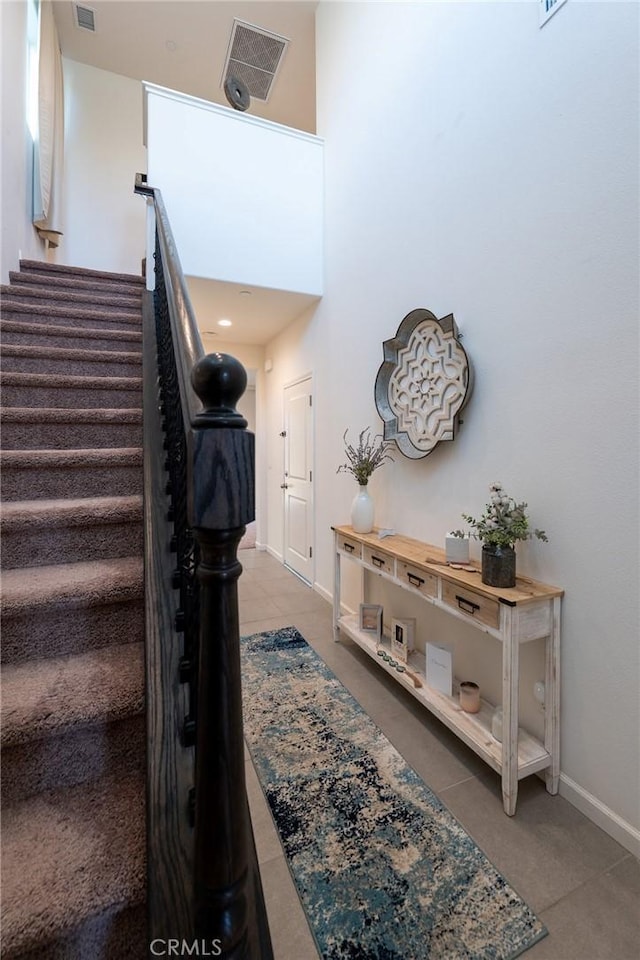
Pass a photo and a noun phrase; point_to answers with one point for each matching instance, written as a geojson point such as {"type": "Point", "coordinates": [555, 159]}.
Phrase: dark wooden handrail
{"type": "Point", "coordinates": [186, 336]}
{"type": "Point", "coordinates": [210, 460]}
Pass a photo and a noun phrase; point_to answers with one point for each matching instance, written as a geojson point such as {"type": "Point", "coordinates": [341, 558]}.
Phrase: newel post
{"type": "Point", "coordinates": [229, 906]}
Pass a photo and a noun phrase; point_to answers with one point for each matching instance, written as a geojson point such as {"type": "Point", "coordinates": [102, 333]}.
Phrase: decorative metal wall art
{"type": "Point", "coordinates": [423, 384]}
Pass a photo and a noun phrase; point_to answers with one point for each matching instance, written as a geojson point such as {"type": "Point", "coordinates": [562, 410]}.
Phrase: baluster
{"type": "Point", "coordinates": [181, 541]}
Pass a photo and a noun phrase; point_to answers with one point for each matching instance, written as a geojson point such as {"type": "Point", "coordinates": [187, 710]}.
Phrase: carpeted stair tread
{"type": "Point", "coordinates": [15, 332]}
{"type": "Point", "coordinates": [69, 353]}
{"type": "Point", "coordinates": [108, 298]}
{"type": "Point", "coordinates": [69, 427]}
{"type": "Point", "coordinates": [41, 698]}
{"type": "Point", "coordinates": [64, 415]}
{"type": "Point", "coordinates": [76, 755]}
{"type": "Point", "coordinates": [87, 845]}
{"type": "Point", "coordinates": [68, 381]}
{"type": "Point", "coordinates": [41, 532]}
{"type": "Point", "coordinates": [64, 390]}
{"type": "Point", "coordinates": [49, 359]}
{"type": "Point", "coordinates": [43, 459]}
{"type": "Point", "coordinates": [42, 474]}
{"type": "Point", "coordinates": [129, 317]}
{"type": "Point", "coordinates": [27, 514]}
{"type": "Point", "coordinates": [89, 583]}
{"type": "Point", "coordinates": [43, 267]}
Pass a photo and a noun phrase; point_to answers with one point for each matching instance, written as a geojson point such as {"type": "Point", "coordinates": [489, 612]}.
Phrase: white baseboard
{"type": "Point", "coordinates": [274, 553]}
{"type": "Point", "coordinates": [323, 593]}
{"type": "Point", "coordinates": [596, 811]}
{"type": "Point", "coordinates": [261, 546]}
{"type": "Point", "coordinates": [601, 815]}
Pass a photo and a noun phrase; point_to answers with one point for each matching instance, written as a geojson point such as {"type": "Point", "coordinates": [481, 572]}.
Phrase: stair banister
{"type": "Point", "coordinates": [211, 464]}
{"type": "Point", "coordinates": [185, 333]}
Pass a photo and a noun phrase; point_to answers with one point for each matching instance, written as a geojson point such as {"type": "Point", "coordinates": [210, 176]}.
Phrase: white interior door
{"type": "Point", "coordinates": [297, 482]}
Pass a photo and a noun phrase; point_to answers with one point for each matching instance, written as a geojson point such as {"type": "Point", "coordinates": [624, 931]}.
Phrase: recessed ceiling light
{"type": "Point", "coordinates": [171, 45]}
{"type": "Point", "coordinates": [245, 293]}
{"type": "Point", "coordinates": [224, 323]}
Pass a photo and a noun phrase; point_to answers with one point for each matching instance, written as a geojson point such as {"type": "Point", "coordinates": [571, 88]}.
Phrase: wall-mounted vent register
{"type": "Point", "coordinates": [84, 17]}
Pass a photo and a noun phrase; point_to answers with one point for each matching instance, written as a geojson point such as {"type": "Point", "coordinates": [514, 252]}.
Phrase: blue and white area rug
{"type": "Point", "coordinates": [383, 870]}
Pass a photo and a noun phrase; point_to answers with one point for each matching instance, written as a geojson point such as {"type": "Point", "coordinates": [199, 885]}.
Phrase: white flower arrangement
{"type": "Point", "coordinates": [503, 522]}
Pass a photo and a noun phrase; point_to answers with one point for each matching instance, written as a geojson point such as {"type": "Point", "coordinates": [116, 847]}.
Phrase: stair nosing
{"type": "Point", "coordinates": [25, 290]}
{"type": "Point", "coordinates": [18, 378]}
{"type": "Point", "coordinates": [98, 456]}
{"type": "Point", "coordinates": [68, 669]}
{"type": "Point", "coordinates": [77, 333]}
{"type": "Point", "coordinates": [81, 583]}
{"type": "Point", "coordinates": [65, 353]}
{"type": "Point", "coordinates": [43, 266]}
{"type": "Point", "coordinates": [78, 894]}
{"type": "Point", "coordinates": [73, 512]}
{"type": "Point", "coordinates": [76, 313]}
{"type": "Point", "coordinates": [117, 415]}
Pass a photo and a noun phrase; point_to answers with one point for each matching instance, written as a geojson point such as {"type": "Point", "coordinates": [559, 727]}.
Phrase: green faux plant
{"type": "Point", "coordinates": [503, 522]}
{"type": "Point", "coordinates": [370, 454]}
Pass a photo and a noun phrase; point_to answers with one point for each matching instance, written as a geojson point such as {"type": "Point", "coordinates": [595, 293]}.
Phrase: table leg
{"type": "Point", "coordinates": [336, 590]}
{"type": "Point", "coordinates": [552, 701]}
{"type": "Point", "coordinates": [510, 676]}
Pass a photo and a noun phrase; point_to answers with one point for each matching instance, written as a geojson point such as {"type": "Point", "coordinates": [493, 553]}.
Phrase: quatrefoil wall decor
{"type": "Point", "coordinates": [423, 384]}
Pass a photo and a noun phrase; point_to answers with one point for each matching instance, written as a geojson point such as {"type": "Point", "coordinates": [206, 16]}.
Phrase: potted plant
{"type": "Point", "coordinates": [502, 524]}
{"type": "Point", "coordinates": [362, 460]}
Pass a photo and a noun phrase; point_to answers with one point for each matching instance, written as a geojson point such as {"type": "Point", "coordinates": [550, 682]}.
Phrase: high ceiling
{"type": "Point", "coordinates": [183, 45]}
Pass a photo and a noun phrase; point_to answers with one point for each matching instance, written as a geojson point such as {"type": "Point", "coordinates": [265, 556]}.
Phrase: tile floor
{"type": "Point", "coordinates": [581, 883]}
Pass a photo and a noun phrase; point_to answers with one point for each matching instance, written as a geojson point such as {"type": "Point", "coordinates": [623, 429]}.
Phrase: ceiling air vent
{"type": "Point", "coordinates": [85, 17]}
{"type": "Point", "coordinates": [254, 56]}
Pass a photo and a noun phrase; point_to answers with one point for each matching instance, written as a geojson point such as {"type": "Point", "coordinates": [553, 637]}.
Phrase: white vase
{"type": "Point", "coordinates": [362, 511]}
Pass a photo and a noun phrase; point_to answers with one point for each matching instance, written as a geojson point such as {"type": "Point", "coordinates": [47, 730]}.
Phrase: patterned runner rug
{"type": "Point", "coordinates": [383, 870]}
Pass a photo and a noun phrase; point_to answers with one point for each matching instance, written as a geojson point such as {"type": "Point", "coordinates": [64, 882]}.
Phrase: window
{"type": "Point", "coordinates": [33, 53]}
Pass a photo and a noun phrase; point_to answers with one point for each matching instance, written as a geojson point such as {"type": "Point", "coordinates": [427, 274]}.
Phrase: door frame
{"type": "Point", "coordinates": [312, 457]}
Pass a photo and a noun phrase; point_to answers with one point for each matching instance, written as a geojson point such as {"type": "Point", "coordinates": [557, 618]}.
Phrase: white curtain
{"type": "Point", "coordinates": [49, 149]}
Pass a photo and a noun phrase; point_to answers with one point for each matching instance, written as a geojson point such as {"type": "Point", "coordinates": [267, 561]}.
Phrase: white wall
{"type": "Point", "coordinates": [104, 222]}
{"type": "Point", "coordinates": [244, 195]}
{"type": "Point", "coordinates": [494, 175]}
{"type": "Point", "coordinates": [17, 233]}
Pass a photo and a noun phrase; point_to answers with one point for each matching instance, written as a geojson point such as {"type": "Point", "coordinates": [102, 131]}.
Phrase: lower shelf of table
{"type": "Point", "coordinates": [472, 728]}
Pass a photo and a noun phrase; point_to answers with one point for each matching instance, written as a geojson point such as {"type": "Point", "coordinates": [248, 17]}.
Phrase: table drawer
{"type": "Point", "coordinates": [473, 604]}
{"type": "Point", "coordinates": [352, 547]}
{"type": "Point", "coordinates": [423, 582]}
{"type": "Point", "coordinates": [379, 559]}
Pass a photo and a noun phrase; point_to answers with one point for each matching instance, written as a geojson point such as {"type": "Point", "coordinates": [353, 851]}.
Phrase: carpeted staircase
{"type": "Point", "coordinates": [73, 736]}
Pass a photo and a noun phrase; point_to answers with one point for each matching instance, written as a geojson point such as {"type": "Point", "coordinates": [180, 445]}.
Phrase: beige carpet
{"type": "Point", "coordinates": [72, 731]}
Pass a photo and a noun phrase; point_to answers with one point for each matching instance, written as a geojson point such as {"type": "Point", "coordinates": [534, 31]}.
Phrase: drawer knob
{"type": "Point", "coordinates": [348, 547]}
{"type": "Point", "coordinates": [376, 561]}
{"type": "Point", "coordinates": [416, 581]}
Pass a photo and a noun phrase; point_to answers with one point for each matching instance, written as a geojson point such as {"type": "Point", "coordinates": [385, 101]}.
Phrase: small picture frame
{"type": "Point", "coordinates": [439, 667]}
{"type": "Point", "coordinates": [402, 638]}
{"type": "Point", "coordinates": [371, 619]}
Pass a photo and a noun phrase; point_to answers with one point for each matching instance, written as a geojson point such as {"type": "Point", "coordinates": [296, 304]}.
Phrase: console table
{"type": "Point", "coordinates": [513, 616]}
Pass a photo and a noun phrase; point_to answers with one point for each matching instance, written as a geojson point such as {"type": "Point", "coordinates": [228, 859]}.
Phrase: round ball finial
{"type": "Point", "coordinates": [219, 381]}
